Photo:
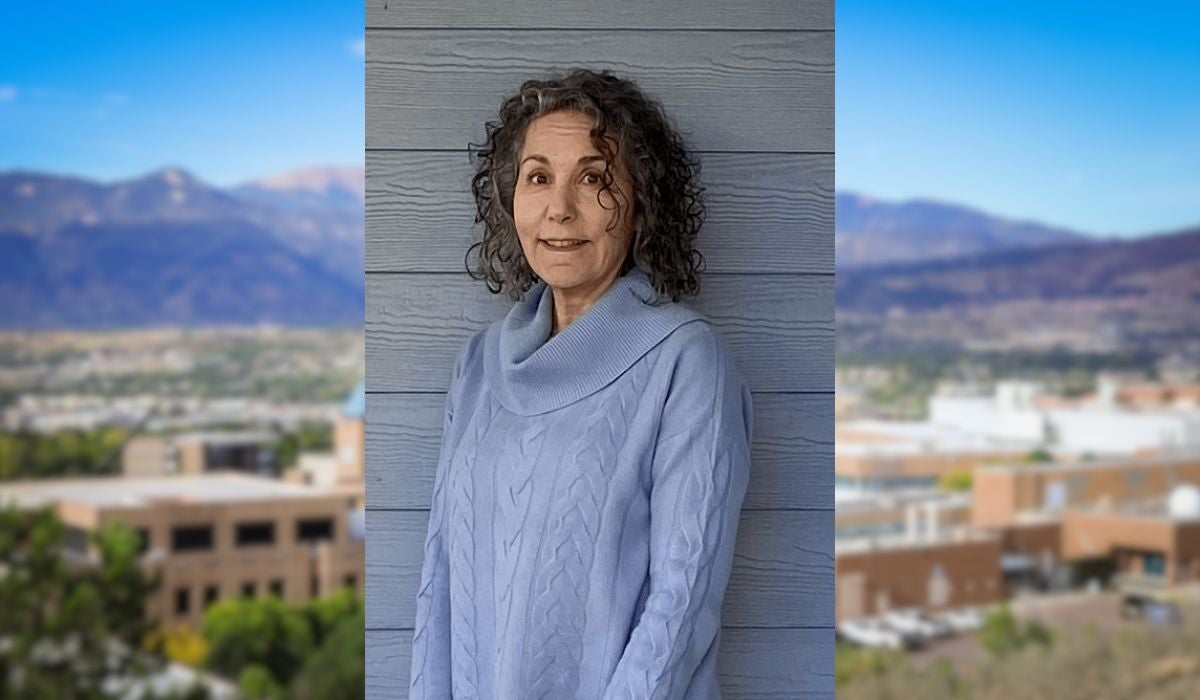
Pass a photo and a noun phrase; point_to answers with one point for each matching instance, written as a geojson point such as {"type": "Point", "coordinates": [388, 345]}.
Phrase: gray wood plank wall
{"type": "Point", "coordinates": [751, 88]}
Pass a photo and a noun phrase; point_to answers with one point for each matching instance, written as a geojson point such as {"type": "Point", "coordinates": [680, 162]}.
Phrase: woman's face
{"type": "Point", "coordinates": [560, 212]}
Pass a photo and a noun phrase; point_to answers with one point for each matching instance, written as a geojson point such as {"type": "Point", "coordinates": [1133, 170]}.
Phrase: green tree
{"type": "Point", "coordinates": [30, 455]}
{"type": "Point", "coordinates": [1039, 456]}
{"type": "Point", "coordinates": [1002, 633]}
{"type": "Point", "coordinates": [265, 632]}
{"type": "Point", "coordinates": [69, 627]}
{"type": "Point", "coordinates": [325, 614]}
{"type": "Point", "coordinates": [336, 670]}
{"type": "Point", "coordinates": [956, 480]}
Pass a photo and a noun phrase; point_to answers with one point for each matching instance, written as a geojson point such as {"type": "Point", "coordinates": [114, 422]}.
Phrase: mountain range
{"type": "Point", "coordinates": [871, 231]}
{"type": "Point", "coordinates": [167, 248]}
{"type": "Point", "coordinates": [1087, 294]}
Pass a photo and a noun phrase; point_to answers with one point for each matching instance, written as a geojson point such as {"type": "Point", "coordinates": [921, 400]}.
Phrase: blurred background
{"type": "Point", "coordinates": [181, 353]}
{"type": "Point", "coordinates": [1018, 332]}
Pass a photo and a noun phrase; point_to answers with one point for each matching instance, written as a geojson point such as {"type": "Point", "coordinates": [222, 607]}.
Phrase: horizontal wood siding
{"type": "Point", "coordinates": [767, 664]}
{"type": "Point", "coordinates": [761, 210]}
{"type": "Point", "coordinates": [751, 91]}
{"type": "Point", "coordinates": [727, 91]}
{"type": "Point", "coordinates": [790, 456]}
{"type": "Point", "coordinates": [779, 327]}
{"type": "Point", "coordinates": [661, 14]}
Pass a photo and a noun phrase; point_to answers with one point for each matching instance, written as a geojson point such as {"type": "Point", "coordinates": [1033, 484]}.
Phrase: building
{"type": "Point", "coordinates": [892, 513]}
{"type": "Point", "coordinates": [213, 536]}
{"type": "Point", "coordinates": [1004, 495]}
{"type": "Point", "coordinates": [1156, 538]}
{"type": "Point", "coordinates": [348, 442]}
{"type": "Point", "coordinates": [343, 470]}
{"type": "Point", "coordinates": [1115, 420]}
{"type": "Point", "coordinates": [251, 452]}
{"type": "Point", "coordinates": [933, 571]}
{"type": "Point", "coordinates": [874, 456]}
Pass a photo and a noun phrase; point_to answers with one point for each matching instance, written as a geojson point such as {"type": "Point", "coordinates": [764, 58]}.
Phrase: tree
{"type": "Point", "coordinates": [276, 650]}
{"type": "Point", "coordinates": [265, 632]}
{"type": "Point", "coordinates": [68, 629]}
{"type": "Point", "coordinates": [336, 671]}
{"type": "Point", "coordinates": [30, 455]}
{"type": "Point", "coordinates": [1003, 634]}
{"type": "Point", "coordinates": [955, 480]}
{"type": "Point", "coordinates": [1039, 456]}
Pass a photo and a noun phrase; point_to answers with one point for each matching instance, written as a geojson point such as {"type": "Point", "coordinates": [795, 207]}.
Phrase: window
{"type": "Point", "coordinates": [249, 589]}
{"type": "Point", "coordinates": [191, 538]}
{"type": "Point", "coordinates": [183, 601]}
{"type": "Point", "coordinates": [143, 535]}
{"type": "Point", "coordinates": [211, 593]}
{"type": "Point", "coordinates": [277, 588]}
{"type": "Point", "coordinates": [314, 529]}
{"type": "Point", "coordinates": [314, 587]}
{"type": "Point", "coordinates": [259, 533]}
{"type": "Point", "coordinates": [1077, 485]}
{"type": "Point", "coordinates": [77, 541]}
{"type": "Point", "coordinates": [351, 581]}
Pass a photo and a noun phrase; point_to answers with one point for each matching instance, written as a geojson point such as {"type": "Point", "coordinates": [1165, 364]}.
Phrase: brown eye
{"type": "Point", "coordinates": [592, 173]}
{"type": "Point", "coordinates": [532, 176]}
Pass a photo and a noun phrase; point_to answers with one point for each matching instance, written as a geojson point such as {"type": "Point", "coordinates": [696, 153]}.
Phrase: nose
{"type": "Point", "coordinates": [562, 203]}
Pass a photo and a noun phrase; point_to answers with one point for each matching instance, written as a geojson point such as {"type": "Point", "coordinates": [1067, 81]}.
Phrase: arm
{"type": "Point", "coordinates": [700, 472]}
{"type": "Point", "coordinates": [430, 674]}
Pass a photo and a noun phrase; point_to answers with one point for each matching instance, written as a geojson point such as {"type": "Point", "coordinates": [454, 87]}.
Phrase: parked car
{"type": "Point", "coordinates": [915, 622]}
{"type": "Point", "coordinates": [1162, 614]}
{"type": "Point", "coordinates": [964, 619]}
{"type": "Point", "coordinates": [871, 632]}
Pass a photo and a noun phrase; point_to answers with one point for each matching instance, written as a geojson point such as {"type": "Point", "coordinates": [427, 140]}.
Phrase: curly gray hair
{"type": "Point", "coordinates": [669, 209]}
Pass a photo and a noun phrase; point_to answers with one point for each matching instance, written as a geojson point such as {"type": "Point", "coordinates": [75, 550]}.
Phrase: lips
{"type": "Point", "coordinates": [563, 243]}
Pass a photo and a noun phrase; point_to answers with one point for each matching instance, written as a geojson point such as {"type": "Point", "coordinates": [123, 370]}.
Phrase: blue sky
{"type": "Point", "coordinates": [1079, 114]}
{"type": "Point", "coordinates": [227, 90]}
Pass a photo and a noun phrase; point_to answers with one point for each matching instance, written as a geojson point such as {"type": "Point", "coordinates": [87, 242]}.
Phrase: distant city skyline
{"type": "Point", "coordinates": [1079, 116]}
{"type": "Point", "coordinates": [226, 91]}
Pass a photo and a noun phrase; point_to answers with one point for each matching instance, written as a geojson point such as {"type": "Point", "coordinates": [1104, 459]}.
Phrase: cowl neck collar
{"type": "Point", "coordinates": [531, 372]}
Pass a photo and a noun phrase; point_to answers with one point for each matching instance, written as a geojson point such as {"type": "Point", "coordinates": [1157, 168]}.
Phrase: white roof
{"type": "Point", "coordinates": [916, 437]}
{"type": "Point", "coordinates": [122, 491]}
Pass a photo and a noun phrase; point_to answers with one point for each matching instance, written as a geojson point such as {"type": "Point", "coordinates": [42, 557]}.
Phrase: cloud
{"type": "Point", "coordinates": [358, 47]}
{"type": "Point", "coordinates": [7, 93]}
{"type": "Point", "coordinates": [115, 98]}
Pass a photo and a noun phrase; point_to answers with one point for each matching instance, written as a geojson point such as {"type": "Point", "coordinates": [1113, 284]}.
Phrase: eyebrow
{"type": "Point", "coordinates": [546, 161]}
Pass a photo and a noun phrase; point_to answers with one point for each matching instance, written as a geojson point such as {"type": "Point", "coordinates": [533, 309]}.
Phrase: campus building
{"type": "Point", "coordinates": [1006, 495]}
{"type": "Point", "coordinates": [916, 511]}
{"type": "Point", "coordinates": [251, 452]}
{"type": "Point", "coordinates": [213, 536]}
{"type": "Point", "coordinates": [934, 571]}
{"type": "Point", "coordinates": [875, 456]}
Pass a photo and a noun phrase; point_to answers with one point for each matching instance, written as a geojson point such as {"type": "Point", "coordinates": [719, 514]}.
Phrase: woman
{"type": "Point", "coordinates": [595, 452]}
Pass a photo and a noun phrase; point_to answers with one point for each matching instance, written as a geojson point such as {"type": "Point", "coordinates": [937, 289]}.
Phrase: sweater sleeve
{"type": "Point", "coordinates": [700, 472]}
{"type": "Point", "coordinates": [430, 671]}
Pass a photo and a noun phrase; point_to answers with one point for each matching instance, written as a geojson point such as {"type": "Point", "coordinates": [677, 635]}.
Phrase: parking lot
{"type": "Point", "coordinates": [1061, 611]}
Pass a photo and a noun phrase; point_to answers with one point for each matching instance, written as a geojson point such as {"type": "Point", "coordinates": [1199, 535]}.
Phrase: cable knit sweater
{"type": "Point", "coordinates": [585, 506]}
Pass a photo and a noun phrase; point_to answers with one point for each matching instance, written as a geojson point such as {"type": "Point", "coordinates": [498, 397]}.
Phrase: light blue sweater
{"type": "Point", "coordinates": [586, 503]}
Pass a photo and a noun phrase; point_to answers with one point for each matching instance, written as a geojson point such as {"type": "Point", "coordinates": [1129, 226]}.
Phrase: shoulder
{"type": "Point", "coordinates": [471, 350]}
{"type": "Point", "coordinates": [701, 367]}
{"type": "Point", "coordinates": [699, 349]}
{"type": "Point", "coordinates": [468, 362]}
{"type": "Point", "coordinates": [704, 385]}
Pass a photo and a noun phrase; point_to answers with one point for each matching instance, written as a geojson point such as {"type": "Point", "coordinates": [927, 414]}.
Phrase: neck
{"type": "Point", "coordinates": [570, 304]}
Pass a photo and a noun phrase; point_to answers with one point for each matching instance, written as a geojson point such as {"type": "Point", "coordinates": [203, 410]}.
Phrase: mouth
{"type": "Point", "coordinates": [563, 243]}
